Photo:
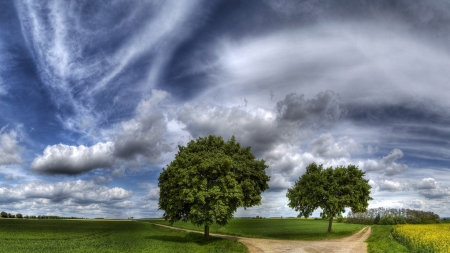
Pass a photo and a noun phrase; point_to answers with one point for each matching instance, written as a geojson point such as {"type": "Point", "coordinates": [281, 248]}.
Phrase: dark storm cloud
{"type": "Point", "coordinates": [321, 111]}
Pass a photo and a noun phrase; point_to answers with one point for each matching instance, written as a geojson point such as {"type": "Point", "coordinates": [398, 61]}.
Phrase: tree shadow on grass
{"type": "Point", "coordinates": [188, 238]}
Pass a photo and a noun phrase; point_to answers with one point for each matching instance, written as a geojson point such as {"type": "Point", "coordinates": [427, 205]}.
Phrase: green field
{"type": "Point", "coordinates": [23, 235]}
{"type": "Point", "coordinates": [289, 229]}
{"type": "Point", "coordinates": [382, 241]}
{"type": "Point", "coordinates": [26, 235]}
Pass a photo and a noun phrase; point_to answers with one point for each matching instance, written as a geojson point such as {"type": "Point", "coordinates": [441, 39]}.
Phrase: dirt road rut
{"type": "Point", "coordinates": [352, 244]}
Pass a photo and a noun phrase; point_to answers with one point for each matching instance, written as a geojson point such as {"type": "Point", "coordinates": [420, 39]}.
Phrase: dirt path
{"type": "Point", "coordinates": [352, 244]}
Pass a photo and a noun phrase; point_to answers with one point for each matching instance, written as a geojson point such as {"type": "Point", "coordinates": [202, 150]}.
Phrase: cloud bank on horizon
{"type": "Point", "coordinates": [96, 97]}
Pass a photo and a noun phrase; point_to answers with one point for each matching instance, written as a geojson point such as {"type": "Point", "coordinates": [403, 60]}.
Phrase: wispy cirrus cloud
{"type": "Point", "coordinates": [79, 65]}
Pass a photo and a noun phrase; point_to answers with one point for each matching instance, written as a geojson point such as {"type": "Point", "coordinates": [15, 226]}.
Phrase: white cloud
{"type": "Point", "coordinates": [389, 185]}
{"type": "Point", "coordinates": [326, 146]}
{"type": "Point", "coordinates": [64, 159]}
{"type": "Point", "coordinates": [288, 161]}
{"type": "Point", "coordinates": [256, 128]}
{"type": "Point", "coordinates": [427, 184]}
{"type": "Point", "coordinates": [387, 165]}
{"type": "Point", "coordinates": [9, 147]}
{"type": "Point", "coordinates": [293, 119]}
{"type": "Point", "coordinates": [79, 192]}
{"type": "Point", "coordinates": [153, 194]}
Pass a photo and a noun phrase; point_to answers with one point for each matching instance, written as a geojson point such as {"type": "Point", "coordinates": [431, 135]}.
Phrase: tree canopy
{"type": "Point", "coordinates": [209, 179]}
{"type": "Point", "coordinates": [330, 189]}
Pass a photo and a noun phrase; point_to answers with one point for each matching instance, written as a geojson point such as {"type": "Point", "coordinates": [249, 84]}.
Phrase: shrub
{"type": "Point", "coordinates": [414, 220]}
{"type": "Point", "coordinates": [387, 221]}
{"type": "Point", "coordinates": [399, 220]}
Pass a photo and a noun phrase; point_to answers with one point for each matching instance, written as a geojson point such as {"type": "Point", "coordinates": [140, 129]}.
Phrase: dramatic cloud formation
{"type": "Point", "coordinates": [142, 135]}
{"type": "Point", "coordinates": [99, 94]}
{"type": "Point", "coordinates": [256, 128]}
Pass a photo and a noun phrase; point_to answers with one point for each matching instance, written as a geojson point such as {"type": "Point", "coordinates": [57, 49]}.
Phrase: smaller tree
{"type": "Point", "coordinates": [4, 215]}
{"type": "Point", "coordinates": [11, 215]}
{"type": "Point", "coordinates": [377, 219]}
{"type": "Point", "coordinates": [330, 189]}
{"type": "Point", "coordinates": [19, 215]}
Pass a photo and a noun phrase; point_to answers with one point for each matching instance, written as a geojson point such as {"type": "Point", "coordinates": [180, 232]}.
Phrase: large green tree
{"type": "Point", "coordinates": [330, 189]}
{"type": "Point", "coordinates": [208, 180]}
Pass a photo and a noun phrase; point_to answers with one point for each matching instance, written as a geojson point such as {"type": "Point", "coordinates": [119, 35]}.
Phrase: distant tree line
{"type": "Point", "coordinates": [20, 216]}
{"type": "Point", "coordinates": [392, 216]}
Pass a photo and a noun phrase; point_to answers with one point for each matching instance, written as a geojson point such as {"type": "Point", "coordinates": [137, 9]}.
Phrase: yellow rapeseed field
{"type": "Point", "coordinates": [424, 238]}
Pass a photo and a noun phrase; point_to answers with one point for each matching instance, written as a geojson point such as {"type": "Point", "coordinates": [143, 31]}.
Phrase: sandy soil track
{"type": "Point", "coordinates": [352, 244]}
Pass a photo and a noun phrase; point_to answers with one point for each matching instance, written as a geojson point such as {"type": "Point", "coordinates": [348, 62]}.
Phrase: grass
{"type": "Point", "coordinates": [289, 229]}
{"type": "Point", "coordinates": [17, 235]}
{"type": "Point", "coordinates": [381, 240]}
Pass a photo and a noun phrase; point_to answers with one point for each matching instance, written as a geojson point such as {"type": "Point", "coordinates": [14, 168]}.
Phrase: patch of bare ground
{"type": "Point", "coordinates": [351, 244]}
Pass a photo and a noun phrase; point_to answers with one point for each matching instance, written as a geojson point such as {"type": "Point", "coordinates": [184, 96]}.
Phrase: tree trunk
{"type": "Point", "coordinates": [206, 232]}
{"type": "Point", "coordinates": [330, 224]}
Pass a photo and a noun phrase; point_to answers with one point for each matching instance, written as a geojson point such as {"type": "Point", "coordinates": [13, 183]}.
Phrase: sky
{"type": "Point", "coordinates": [96, 96]}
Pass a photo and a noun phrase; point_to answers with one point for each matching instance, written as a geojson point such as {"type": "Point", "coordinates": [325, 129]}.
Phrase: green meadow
{"type": "Point", "coordinates": [288, 229]}
{"type": "Point", "coordinates": [30, 235]}
{"type": "Point", "coordinates": [26, 235]}
{"type": "Point", "coordinates": [381, 241]}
